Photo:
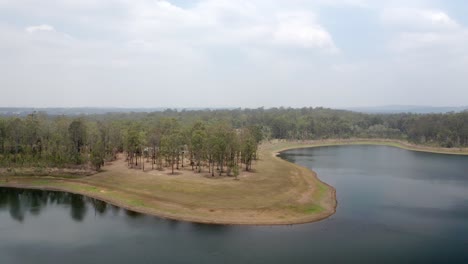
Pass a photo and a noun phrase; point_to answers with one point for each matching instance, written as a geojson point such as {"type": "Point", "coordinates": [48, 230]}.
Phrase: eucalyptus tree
{"type": "Point", "coordinates": [15, 131]}
{"type": "Point", "coordinates": [3, 134]}
{"type": "Point", "coordinates": [58, 146]}
{"type": "Point", "coordinates": [248, 147]}
{"type": "Point", "coordinates": [135, 139]}
{"type": "Point", "coordinates": [32, 134]}
{"type": "Point", "coordinates": [196, 141]}
{"type": "Point", "coordinates": [233, 150]}
{"type": "Point", "coordinates": [221, 139]}
{"type": "Point", "coordinates": [198, 147]}
{"type": "Point", "coordinates": [222, 144]}
{"type": "Point", "coordinates": [154, 141]}
{"type": "Point", "coordinates": [77, 133]}
{"type": "Point", "coordinates": [98, 154]}
{"type": "Point", "coordinates": [171, 147]}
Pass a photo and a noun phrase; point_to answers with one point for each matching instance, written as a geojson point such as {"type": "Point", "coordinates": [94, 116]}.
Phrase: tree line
{"type": "Point", "coordinates": [221, 141]}
{"type": "Point", "coordinates": [38, 140]}
{"type": "Point", "coordinates": [215, 145]}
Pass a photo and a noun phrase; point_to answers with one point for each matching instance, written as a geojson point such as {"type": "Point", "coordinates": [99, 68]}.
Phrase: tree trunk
{"type": "Point", "coordinates": [191, 162]}
{"type": "Point", "coordinates": [178, 158]}
{"type": "Point", "coordinates": [221, 166]}
{"type": "Point", "coordinates": [209, 166]}
{"type": "Point", "coordinates": [182, 155]}
{"type": "Point", "coordinates": [172, 164]}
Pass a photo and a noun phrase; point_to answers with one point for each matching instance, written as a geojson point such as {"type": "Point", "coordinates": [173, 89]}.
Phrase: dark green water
{"type": "Point", "coordinates": [395, 206]}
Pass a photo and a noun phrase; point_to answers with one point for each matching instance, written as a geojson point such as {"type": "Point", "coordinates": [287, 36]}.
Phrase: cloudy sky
{"type": "Point", "coordinates": [237, 53]}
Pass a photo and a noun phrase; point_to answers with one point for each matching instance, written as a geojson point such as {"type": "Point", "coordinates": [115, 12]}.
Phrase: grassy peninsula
{"type": "Point", "coordinates": [276, 192]}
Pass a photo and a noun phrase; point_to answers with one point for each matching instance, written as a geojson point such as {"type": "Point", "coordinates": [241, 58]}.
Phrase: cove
{"type": "Point", "coordinates": [394, 206]}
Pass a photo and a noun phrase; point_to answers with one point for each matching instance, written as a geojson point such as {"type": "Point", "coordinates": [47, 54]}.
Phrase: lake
{"type": "Point", "coordinates": [394, 206]}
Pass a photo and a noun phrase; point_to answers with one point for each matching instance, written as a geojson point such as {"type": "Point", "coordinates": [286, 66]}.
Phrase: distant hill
{"type": "Point", "coordinates": [75, 111]}
{"type": "Point", "coordinates": [393, 109]}
{"type": "Point", "coordinates": [23, 111]}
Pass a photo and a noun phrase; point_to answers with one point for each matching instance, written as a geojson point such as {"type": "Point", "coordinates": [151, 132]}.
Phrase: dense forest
{"type": "Point", "coordinates": [227, 139]}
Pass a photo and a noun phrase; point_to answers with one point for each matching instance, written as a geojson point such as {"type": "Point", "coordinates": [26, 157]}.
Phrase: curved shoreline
{"type": "Point", "coordinates": [318, 193]}
{"type": "Point", "coordinates": [163, 216]}
{"type": "Point", "coordinates": [377, 142]}
{"type": "Point", "coordinates": [320, 203]}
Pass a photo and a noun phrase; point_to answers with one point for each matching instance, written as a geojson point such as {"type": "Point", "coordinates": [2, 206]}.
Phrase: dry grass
{"type": "Point", "coordinates": [278, 192]}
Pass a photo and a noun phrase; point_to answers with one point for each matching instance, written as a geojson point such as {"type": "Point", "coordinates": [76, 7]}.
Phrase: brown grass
{"type": "Point", "coordinates": [278, 192]}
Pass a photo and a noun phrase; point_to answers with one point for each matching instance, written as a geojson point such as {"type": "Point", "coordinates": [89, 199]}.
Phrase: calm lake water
{"type": "Point", "coordinates": [394, 206]}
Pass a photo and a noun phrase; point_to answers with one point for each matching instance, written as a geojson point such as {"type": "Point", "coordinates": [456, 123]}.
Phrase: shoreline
{"type": "Point", "coordinates": [318, 194]}
{"type": "Point", "coordinates": [163, 216]}
{"type": "Point", "coordinates": [369, 141]}
{"type": "Point", "coordinates": [272, 173]}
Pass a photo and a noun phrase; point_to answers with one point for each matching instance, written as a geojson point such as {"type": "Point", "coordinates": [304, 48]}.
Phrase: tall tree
{"type": "Point", "coordinates": [77, 133]}
{"type": "Point", "coordinates": [171, 146]}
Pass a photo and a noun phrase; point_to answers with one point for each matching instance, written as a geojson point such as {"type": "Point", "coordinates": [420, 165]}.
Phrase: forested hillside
{"type": "Point", "coordinates": [213, 137]}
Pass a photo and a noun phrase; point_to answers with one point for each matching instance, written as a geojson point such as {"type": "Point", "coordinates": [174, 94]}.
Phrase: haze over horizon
{"type": "Point", "coordinates": [219, 53]}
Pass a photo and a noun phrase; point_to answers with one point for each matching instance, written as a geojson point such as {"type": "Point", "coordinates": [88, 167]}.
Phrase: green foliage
{"type": "Point", "coordinates": [77, 133]}
{"type": "Point", "coordinates": [218, 139]}
{"type": "Point", "coordinates": [98, 155]}
{"type": "Point", "coordinates": [235, 171]}
{"type": "Point", "coordinates": [171, 146]}
{"type": "Point", "coordinates": [198, 146]}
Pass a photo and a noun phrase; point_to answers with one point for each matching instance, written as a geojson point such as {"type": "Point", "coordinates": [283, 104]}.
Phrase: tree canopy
{"type": "Point", "coordinates": [221, 140]}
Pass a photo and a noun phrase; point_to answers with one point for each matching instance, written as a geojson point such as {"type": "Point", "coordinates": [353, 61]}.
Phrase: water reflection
{"type": "Point", "coordinates": [115, 209]}
{"type": "Point", "coordinates": [22, 203]}
{"type": "Point", "coordinates": [99, 206]}
{"type": "Point", "coordinates": [37, 201]}
{"type": "Point", "coordinates": [78, 208]}
{"type": "Point", "coordinates": [133, 214]}
{"type": "Point", "coordinates": [394, 206]}
{"type": "Point", "coordinates": [15, 207]}
{"type": "Point", "coordinates": [210, 229]}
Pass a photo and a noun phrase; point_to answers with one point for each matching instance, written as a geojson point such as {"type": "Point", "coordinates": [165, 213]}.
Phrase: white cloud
{"type": "Point", "coordinates": [412, 19]}
{"type": "Point", "coordinates": [221, 50]}
{"type": "Point", "coordinates": [225, 23]}
{"type": "Point", "coordinates": [423, 31]}
{"type": "Point", "coordinates": [427, 48]}
{"type": "Point", "coordinates": [431, 43]}
{"type": "Point", "coordinates": [42, 27]}
{"type": "Point", "coordinates": [299, 29]}
{"type": "Point", "coordinates": [202, 23]}
{"type": "Point", "coordinates": [340, 3]}
{"type": "Point", "coordinates": [160, 15]}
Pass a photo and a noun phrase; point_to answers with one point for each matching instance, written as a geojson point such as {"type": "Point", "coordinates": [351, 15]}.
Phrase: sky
{"type": "Point", "coordinates": [236, 53]}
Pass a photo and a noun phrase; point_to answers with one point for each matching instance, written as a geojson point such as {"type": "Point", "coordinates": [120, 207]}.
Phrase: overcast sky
{"type": "Point", "coordinates": [237, 53]}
